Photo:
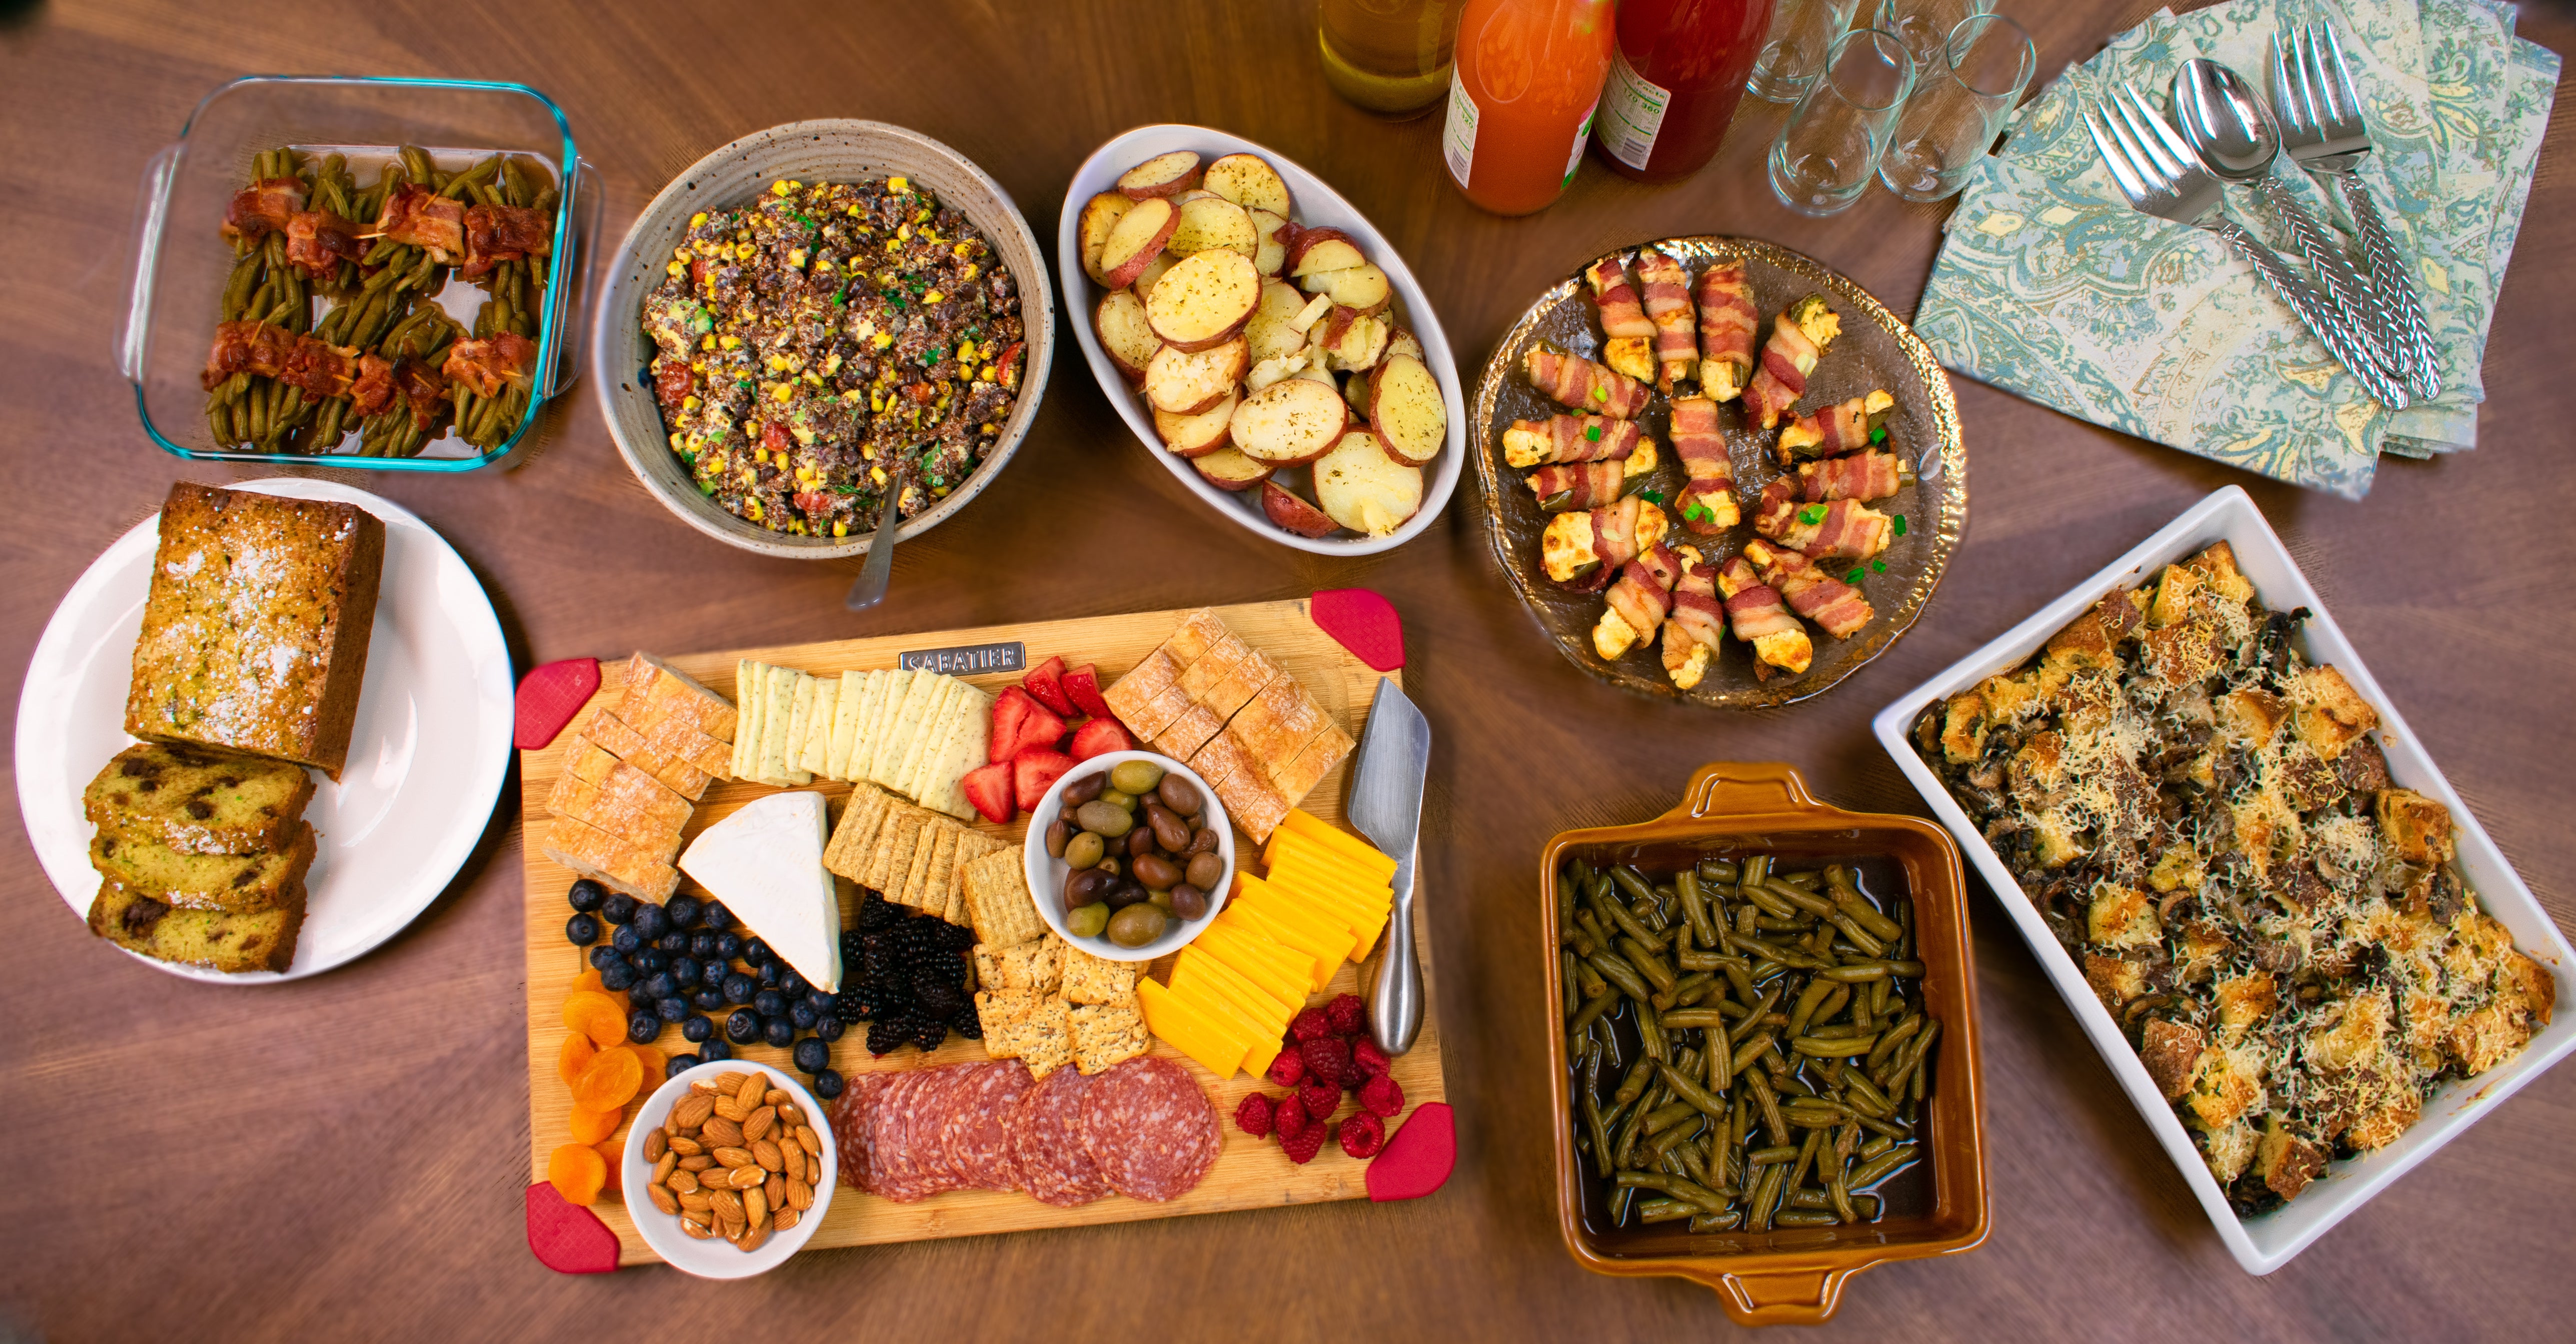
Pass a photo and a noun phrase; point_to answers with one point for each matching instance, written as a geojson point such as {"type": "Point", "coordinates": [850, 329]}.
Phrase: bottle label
{"type": "Point", "coordinates": [1633, 113]}
{"type": "Point", "coordinates": [1458, 132]}
{"type": "Point", "coordinates": [1582, 133]}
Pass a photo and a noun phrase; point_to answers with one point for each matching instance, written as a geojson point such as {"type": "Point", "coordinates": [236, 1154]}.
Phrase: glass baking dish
{"type": "Point", "coordinates": [182, 263]}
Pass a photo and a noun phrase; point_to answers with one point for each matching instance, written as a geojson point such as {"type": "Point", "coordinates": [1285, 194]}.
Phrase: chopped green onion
{"type": "Point", "coordinates": [1654, 496]}
{"type": "Point", "coordinates": [1878, 435]}
{"type": "Point", "coordinates": [1877, 566]}
{"type": "Point", "coordinates": [1593, 433]}
{"type": "Point", "coordinates": [1812, 514]}
{"type": "Point", "coordinates": [1854, 576]}
{"type": "Point", "coordinates": [1699, 513]}
{"type": "Point", "coordinates": [1900, 524]}
{"type": "Point", "coordinates": [1601, 394]}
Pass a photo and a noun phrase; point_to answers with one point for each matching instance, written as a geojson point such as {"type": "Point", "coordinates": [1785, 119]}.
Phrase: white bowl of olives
{"type": "Point", "coordinates": [1114, 847]}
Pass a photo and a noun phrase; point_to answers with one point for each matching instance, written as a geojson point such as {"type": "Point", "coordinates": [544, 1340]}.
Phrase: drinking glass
{"type": "Point", "coordinates": [1802, 31]}
{"type": "Point", "coordinates": [1923, 25]}
{"type": "Point", "coordinates": [1390, 56]}
{"type": "Point", "coordinates": [1958, 105]}
{"type": "Point", "coordinates": [1825, 153]}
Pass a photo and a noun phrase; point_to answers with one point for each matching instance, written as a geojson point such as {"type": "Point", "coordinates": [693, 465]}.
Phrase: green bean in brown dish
{"type": "Point", "coordinates": [812, 340]}
{"type": "Point", "coordinates": [1749, 1045]}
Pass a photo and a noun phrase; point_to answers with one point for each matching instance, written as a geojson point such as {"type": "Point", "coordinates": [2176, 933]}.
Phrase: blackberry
{"type": "Point", "coordinates": [887, 1035]}
{"type": "Point", "coordinates": [958, 937]}
{"type": "Point", "coordinates": [850, 1009]}
{"type": "Point", "coordinates": [929, 1034]}
{"type": "Point", "coordinates": [937, 996]}
{"type": "Point", "coordinates": [876, 912]}
{"type": "Point", "coordinates": [966, 1024]}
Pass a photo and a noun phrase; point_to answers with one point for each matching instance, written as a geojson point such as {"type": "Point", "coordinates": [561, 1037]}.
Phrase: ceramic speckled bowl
{"type": "Point", "coordinates": [835, 150]}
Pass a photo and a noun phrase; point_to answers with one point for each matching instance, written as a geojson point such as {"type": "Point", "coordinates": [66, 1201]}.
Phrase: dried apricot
{"type": "Point", "coordinates": [595, 1015]}
{"type": "Point", "coordinates": [608, 1081]}
{"type": "Point", "coordinates": [589, 980]}
{"type": "Point", "coordinates": [576, 1053]}
{"type": "Point", "coordinates": [577, 1172]}
{"type": "Point", "coordinates": [655, 1063]}
{"type": "Point", "coordinates": [614, 1155]}
{"type": "Point", "coordinates": [590, 1126]}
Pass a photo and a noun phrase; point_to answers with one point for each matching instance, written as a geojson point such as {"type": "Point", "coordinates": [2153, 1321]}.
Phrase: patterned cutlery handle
{"type": "Point", "coordinates": [2340, 341]}
{"type": "Point", "coordinates": [2395, 289]}
{"type": "Point", "coordinates": [2344, 288]}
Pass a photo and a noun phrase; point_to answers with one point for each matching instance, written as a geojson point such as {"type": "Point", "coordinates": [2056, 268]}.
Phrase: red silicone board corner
{"type": "Point", "coordinates": [1419, 1158]}
{"type": "Point", "coordinates": [1362, 621]}
{"type": "Point", "coordinates": [548, 698]}
{"type": "Point", "coordinates": [566, 1237]}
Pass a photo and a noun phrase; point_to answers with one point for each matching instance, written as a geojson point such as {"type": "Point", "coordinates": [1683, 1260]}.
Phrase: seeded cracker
{"type": "Point", "coordinates": [1046, 1038]}
{"type": "Point", "coordinates": [1105, 1033]}
{"type": "Point", "coordinates": [1005, 1014]}
{"type": "Point", "coordinates": [1031, 965]}
{"type": "Point", "coordinates": [1097, 980]}
{"type": "Point", "coordinates": [855, 837]}
{"type": "Point", "coordinates": [998, 902]}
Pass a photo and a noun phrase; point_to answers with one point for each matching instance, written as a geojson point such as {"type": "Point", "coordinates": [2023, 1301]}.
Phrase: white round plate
{"type": "Point", "coordinates": [426, 759]}
{"type": "Point", "coordinates": [1046, 872]}
{"type": "Point", "coordinates": [720, 1259]}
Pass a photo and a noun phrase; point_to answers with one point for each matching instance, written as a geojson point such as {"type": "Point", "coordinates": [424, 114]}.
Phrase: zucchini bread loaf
{"type": "Point", "coordinates": [255, 633]}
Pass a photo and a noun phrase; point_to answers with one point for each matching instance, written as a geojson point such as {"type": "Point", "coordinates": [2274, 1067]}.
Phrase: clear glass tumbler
{"type": "Point", "coordinates": [1958, 104]}
{"type": "Point", "coordinates": [1825, 153]}
{"type": "Point", "coordinates": [1923, 25]}
{"type": "Point", "coordinates": [1802, 31]}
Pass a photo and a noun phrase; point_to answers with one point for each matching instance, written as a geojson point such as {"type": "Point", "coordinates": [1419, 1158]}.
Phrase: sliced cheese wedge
{"type": "Point", "coordinates": [932, 733]}
{"type": "Point", "coordinates": [1191, 1030]}
{"type": "Point", "coordinates": [881, 697]}
{"type": "Point", "coordinates": [748, 692]}
{"type": "Point", "coordinates": [1196, 967]}
{"type": "Point", "coordinates": [903, 728]}
{"type": "Point", "coordinates": [1262, 1038]}
{"type": "Point", "coordinates": [765, 862]}
{"type": "Point", "coordinates": [1306, 825]}
{"type": "Point", "coordinates": [943, 775]}
{"type": "Point", "coordinates": [817, 757]}
{"type": "Point", "coordinates": [845, 721]}
{"type": "Point", "coordinates": [1279, 972]}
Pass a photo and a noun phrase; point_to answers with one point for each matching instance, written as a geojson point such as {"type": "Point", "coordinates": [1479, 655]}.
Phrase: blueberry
{"type": "Point", "coordinates": [728, 945]}
{"type": "Point", "coordinates": [616, 978]}
{"type": "Point", "coordinates": [824, 1000]}
{"type": "Point", "coordinates": [581, 930]}
{"type": "Point", "coordinates": [827, 1084]}
{"type": "Point", "coordinates": [829, 1027]}
{"type": "Point", "coordinates": [653, 959]}
{"type": "Point", "coordinates": [780, 1032]}
{"type": "Point", "coordinates": [756, 952]}
{"type": "Point", "coordinates": [812, 1055]}
{"type": "Point", "coordinates": [772, 971]}
{"type": "Point", "coordinates": [652, 921]}
{"type": "Point", "coordinates": [769, 1003]}
{"type": "Point", "coordinates": [743, 1027]}
{"type": "Point", "coordinates": [626, 939]}
{"type": "Point", "coordinates": [684, 969]}
{"type": "Point", "coordinates": [643, 1027]}
{"type": "Point", "coordinates": [682, 911]}
{"type": "Point", "coordinates": [713, 1000]}
{"type": "Point", "coordinates": [802, 1014]}
{"type": "Point", "coordinates": [674, 943]}
{"type": "Point", "coordinates": [659, 985]}
{"type": "Point", "coordinates": [738, 988]}
{"type": "Point", "coordinates": [604, 956]}
{"type": "Point", "coordinates": [697, 1029]}
{"type": "Point", "coordinates": [680, 1064]}
{"type": "Point", "coordinates": [671, 1009]}
{"type": "Point", "coordinates": [790, 983]}
{"type": "Point", "coordinates": [715, 916]}
{"type": "Point", "coordinates": [702, 944]}
{"type": "Point", "coordinates": [618, 908]}
{"type": "Point", "coordinates": [586, 894]}
{"type": "Point", "coordinates": [715, 1050]}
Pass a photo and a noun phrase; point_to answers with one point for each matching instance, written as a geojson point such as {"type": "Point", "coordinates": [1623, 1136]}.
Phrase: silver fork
{"type": "Point", "coordinates": [2159, 174]}
{"type": "Point", "coordinates": [2322, 130]}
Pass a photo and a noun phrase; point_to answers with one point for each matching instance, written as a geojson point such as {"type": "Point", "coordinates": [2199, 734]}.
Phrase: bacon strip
{"type": "Point", "coordinates": [308, 362]}
{"type": "Point", "coordinates": [373, 391]}
{"type": "Point", "coordinates": [1621, 314]}
{"type": "Point", "coordinates": [1668, 303]}
{"type": "Point", "coordinates": [1832, 430]}
{"type": "Point", "coordinates": [1754, 609]}
{"type": "Point", "coordinates": [487, 365]}
{"type": "Point", "coordinates": [1778, 510]}
{"type": "Point", "coordinates": [1578, 382]}
{"type": "Point", "coordinates": [422, 218]}
{"type": "Point", "coordinates": [1696, 609]}
{"type": "Point", "coordinates": [1787, 358]}
{"type": "Point", "coordinates": [499, 233]}
{"type": "Point", "coordinates": [317, 241]}
{"type": "Point", "coordinates": [1644, 590]}
{"type": "Point", "coordinates": [1847, 528]}
{"type": "Point", "coordinates": [1836, 607]}
{"type": "Point", "coordinates": [1707, 504]}
{"type": "Point", "coordinates": [1861, 476]}
{"type": "Point", "coordinates": [1581, 485]}
{"type": "Point", "coordinates": [424, 389]}
{"type": "Point", "coordinates": [263, 207]}
{"type": "Point", "coordinates": [1569, 438]}
{"type": "Point", "coordinates": [1727, 319]}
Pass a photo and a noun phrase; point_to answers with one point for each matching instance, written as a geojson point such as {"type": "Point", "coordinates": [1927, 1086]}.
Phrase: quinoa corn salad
{"type": "Point", "coordinates": [813, 339]}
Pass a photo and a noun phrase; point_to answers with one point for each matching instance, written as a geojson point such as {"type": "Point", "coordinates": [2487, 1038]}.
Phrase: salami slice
{"type": "Point", "coordinates": [1046, 1139]}
{"type": "Point", "coordinates": [1150, 1129]}
{"type": "Point", "coordinates": [906, 1115]}
{"type": "Point", "coordinates": [852, 1126]}
{"type": "Point", "coordinates": [978, 1134]}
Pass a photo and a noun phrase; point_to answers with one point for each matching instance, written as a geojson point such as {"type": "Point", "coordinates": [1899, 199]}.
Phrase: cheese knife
{"type": "Point", "coordinates": [1386, 806]}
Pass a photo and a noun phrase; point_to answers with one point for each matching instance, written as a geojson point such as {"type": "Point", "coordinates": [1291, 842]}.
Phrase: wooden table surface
{"type": "Point", "coordinates": [343, 1157]}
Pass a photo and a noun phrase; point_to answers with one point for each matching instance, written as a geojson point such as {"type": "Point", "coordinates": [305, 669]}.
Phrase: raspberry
{"type": "Point", "coordinates": [1363, 1134]}
{"type": "Point", "coordinates": [1310, 1025]}
{"type": "Point", "coordinates": [1320, 1100]}
{"type": "Point", "coordinates": [1253, 1115]}
{"type": "Point", "coordinates": [1347, 1015]}
{"type": "Point", "coordinates": [1382, 1096]}
{"type": "Point", "coordinates": [1302, 1147]}
{"type": "Point", "coordinates": [1289, 1069]}
{"type": "Point", "coordinates": [1367, 1061]}
{"type": "Point", "coordinates": [1287, 1117]}
{"type": "Point", "coordinates": [1327, 1059]}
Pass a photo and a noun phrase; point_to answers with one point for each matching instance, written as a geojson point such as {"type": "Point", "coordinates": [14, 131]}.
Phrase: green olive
{"type": "Point", "coordinates": [1135, 778]}
{"type": "Point", "coordinates": [1137, 925]}
{"type": "Point", "coordinates": [1160, 899]}
{"type": "Point", "coordinates": [1083, 850]}
{"type": "Point", "coordinates": [1119, 798]}
{"type": "Point", "coordinates": [1104, 819]}
{"type": "Point", "coordinates": [1086, 921]}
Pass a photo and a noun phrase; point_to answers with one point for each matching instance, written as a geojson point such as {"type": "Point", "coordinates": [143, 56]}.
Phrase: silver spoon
{"type": "Point", "coordinates": [870, 589]}
{"type": "Point", "coordinates": [2234, 134]}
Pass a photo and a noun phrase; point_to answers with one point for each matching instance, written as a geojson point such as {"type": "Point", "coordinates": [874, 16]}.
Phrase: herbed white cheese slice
{"type": "Point", "coordinates": [970, 714]}
{"type": "Point", "coordinates": [817, 759]}
{"type": "Point", "coordinates": [846, 709]}
{"type": "Point", "coordinates": [931, 737]}
{"type": "Point", "coordinates": [765, 862]}
{"type": "Point", "coordinates": [903, 728]}
{"type": "Point", "coordinates": [750, 695]}
{"type": "Point", "coordinates": [775, 769]}
{"type": "Point", "coordinates": [870, 748]}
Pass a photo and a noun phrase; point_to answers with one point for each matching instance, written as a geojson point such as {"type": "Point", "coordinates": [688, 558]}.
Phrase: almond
{"type": "Point", "coordinates": [775, 1191]}
{"type": "Point", "coordinates": [696, 1162]}
{"type": "Point", "coordinates": [686, 1146]}
{"type": "Point", "coordinates": [730, 1083]}
{"type": "Point", "coordinates": [776, 1096]}
{"type": "Point", "coordinates": [766, 1154]}
{"type": "Point", "coordinates": [733, 1157]}
{"type": "Point", "coordinates": [793, 1161]}
{"type": "Point", "coordinates": [752, 1239]}
{"type": "Point", "coordinates": [748, 1096]}
{"type": "Point", "coordinates": [698, 1201]}
{"type": "Point", "coordinates": [806, 1140]}
{"type": "Point", "coordinates": [696, 1230]}
{"type": "Point", "coordinates": [663, 1199]}
{"type": "Point", "coordinates": [728, 1205]}
{"type": "Point", "coordinates": [755, 1207]}
{"type": "Point", "coordinates": [693, 1110]}
{"type": "Point", "coordinates": [663, 1166]}
{"type": "Point", "coordinates": [731, 1109]}
{"type": "Point", "coordinates": [756, 1124]}
{"type": "Point", "coordinates": [784, 1219]}
{"type": "Point", "coordinates": [682, 1182]}
{"type": "Point", "coordinates": [746, 1178]}
{"type": "Point", "coordinates": [789, 1118]}
{"type": "Point", "coordinates": [800, 1196]}
{"type": "Point", "coordinates": [656, 1143]}
{"type": "Point", "coordinates": [720, 1132]}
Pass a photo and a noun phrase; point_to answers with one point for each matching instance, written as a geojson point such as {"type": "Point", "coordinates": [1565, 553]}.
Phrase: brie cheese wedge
{"type": "Point", "coordinates": [765, 862]}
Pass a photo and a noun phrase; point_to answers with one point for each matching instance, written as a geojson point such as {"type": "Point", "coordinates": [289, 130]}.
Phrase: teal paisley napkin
{"type": "Point", "coordinates": [2050, 286]}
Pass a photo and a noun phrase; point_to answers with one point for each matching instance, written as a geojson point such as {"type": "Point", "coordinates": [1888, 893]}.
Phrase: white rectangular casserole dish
{"type": "Point", "coordinates": [2265, 1242]}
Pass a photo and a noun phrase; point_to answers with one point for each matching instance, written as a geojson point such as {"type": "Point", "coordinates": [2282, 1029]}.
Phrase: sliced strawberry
{"type": "Point", "coordinates": [1034, 771]}
{"type": "Point", "coordinates": [1046, 682]}
{"type": "Point", "coordinates": [1082, 686]}
{"type": "Point", "coordinates": [1010, 709]}
{"type": "Point", "coordinates": [1042, 728]}
{"type": "Point", "coordinates": [1096, 736]}
{"type": "Point", "coordinates": [988, 787]}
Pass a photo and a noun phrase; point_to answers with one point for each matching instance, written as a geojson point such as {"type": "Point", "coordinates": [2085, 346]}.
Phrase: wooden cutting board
{"type": "Point", "coordinates": [1251, 1173]}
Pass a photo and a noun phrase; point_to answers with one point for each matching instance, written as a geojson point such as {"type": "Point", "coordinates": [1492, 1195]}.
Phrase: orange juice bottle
{"type": "Point", "coordinates": [1521, 98]}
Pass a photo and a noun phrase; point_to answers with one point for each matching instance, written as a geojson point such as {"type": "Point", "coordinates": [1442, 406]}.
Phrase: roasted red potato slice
{"type": "Point", "coordinates": [1249, 181]}
{"type": "Point", "coordinates": [1270, 241]}
{"type": "Point", "coordinates": [1212, 221]}
{"type": "Point", "coordinates": [1134, 241]}
{"type": "Point", "coordinates": [1204, 299]}
{"type": "Point", "coordinates": [1290, 510]}
{"type": "Point", "coordinates": [1291, 422]}
{"type": "Point", "coordinates": [1119, 321]}
{"type": "Point", "coordinates": [1272, 330]}
{"type": "Point", "coordinates": [1186, 382]}
{"type": "Point", "coordinates": [1360, 288]}
{"type": "Point", "coordinates": [1231, 469]}
{"type": "Point", "coordinates": [1365, 490]}
{"type": "Point", "coordinates": [1315, 250]}
{"type": "Point", "coordinates": [1160, 176]}
{"type": "Point", "coordinates": [1099, 215]}
{"type": "Point", "coordinates": [1196, 435]}
{"type": "Point", "coordinates": [1406, 410]}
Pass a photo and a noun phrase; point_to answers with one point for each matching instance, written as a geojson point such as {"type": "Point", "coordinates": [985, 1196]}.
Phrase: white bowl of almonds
{"type": "Point", "coordinates": [738, 1116]}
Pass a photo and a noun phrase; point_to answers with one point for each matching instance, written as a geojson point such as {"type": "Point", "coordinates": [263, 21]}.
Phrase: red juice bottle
{"type": "Point", "coordinates": [1674, 83]}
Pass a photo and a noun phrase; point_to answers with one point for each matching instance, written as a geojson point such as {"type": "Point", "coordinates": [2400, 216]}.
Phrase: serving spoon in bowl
{"type": "Point", "coordinates": [878, 572]}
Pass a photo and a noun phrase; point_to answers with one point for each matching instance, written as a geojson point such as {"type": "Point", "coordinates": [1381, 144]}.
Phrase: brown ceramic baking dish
{"type": "Point", "coordinates": [1792, 1275]}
